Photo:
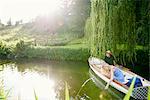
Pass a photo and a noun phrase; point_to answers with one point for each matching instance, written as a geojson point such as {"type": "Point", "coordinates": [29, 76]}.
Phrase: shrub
{"type": "Point", "coordinates": [20, 48]}
{"type": "Point", "coordinates": [5, 50]}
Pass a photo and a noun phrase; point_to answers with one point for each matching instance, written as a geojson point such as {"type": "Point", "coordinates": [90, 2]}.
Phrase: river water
{"type": "Point", "coordinates": [24, 79]}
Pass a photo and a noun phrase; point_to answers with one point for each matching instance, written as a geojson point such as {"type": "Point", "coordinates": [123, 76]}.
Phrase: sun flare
{"type": "Point", "coordinates": [27, 9]}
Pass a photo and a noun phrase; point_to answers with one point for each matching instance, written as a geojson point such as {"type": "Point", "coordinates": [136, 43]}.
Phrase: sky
{"type": "Point", "coordinates": [26, 10]}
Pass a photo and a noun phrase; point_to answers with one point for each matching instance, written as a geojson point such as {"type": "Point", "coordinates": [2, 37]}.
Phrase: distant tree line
{"type": "Point", "coordinates": [9, 23]}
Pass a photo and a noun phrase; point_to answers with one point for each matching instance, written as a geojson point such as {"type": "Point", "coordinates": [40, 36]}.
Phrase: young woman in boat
{"type": "Point", "coordinates": [109, 58]}
{"type": "Point", "coordinates": [112, 72]}
{"type": "Point", "coordinates": [116, 74]}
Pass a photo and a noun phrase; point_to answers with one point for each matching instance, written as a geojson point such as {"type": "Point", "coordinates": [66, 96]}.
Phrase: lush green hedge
{"type": "Point", "coordinates": [75, 53]}
{"type": "Point", "coordinates": [24, 49]}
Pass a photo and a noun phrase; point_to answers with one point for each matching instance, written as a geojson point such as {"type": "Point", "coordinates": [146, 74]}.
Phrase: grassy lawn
{"type": "Point", "coordinates": [13, 34]}
{"type": "Point", "coordinates": [43, 45]}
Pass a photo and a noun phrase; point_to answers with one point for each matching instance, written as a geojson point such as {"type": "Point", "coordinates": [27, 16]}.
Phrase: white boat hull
{"type": "Point", "coordinates": [113, 84]}
{"type": "Point", "coordinates": [119, 87]}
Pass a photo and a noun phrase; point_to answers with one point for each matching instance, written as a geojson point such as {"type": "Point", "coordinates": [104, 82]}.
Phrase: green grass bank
{"type": "Point", "coordinates": [69, 52]}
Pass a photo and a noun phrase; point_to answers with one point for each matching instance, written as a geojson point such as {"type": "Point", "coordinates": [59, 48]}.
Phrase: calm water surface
{"type": "Point", "coordinates": [47, 79]}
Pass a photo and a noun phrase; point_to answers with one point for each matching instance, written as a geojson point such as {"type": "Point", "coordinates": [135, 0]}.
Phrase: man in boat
{"type": "Point", "coordinates": [109, 58]}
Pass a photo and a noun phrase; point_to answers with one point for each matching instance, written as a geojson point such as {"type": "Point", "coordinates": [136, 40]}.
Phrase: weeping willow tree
{"type": "Point", "coordinates": [111, 26]}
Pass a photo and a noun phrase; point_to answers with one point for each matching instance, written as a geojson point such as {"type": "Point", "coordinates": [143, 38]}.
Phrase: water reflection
{"type": "Point", "coordinates": [103, 95]}
{"type": "Point", "coordinates": [22, 85]}
{"type": "Point", "coordinates": [47, 78]}
{"type": "Point", "coordinates": [108, 94]}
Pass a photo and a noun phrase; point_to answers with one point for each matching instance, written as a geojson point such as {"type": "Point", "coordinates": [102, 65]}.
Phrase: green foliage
{"type": "Point", "coordinates": [127, 96]}
{"type": "Point", "coordinates": [3, 94]}
{"type": "Point", "coordinates": [74, 16]}
{"type": "Point", "coordinates": [88, 31]}
{"type": "Point", "coordinates": [5, 50]}
{"type": "Point", "coordinates": [113, 23]}
{"type": "Point", "coordinates": [35, 96]}
{"type": "Point", "coordinates": [148, 93]}
{"type": "Point", "coordinates": [142, 22]}
{"type": "Point", "coordinates": [70, 52]}
{"type": "Point", "coordinates": [66, 92]}
{"type": "Point", "coordinates": [20, 48]}
{"type": "Point", "coordinates": [56, 47]}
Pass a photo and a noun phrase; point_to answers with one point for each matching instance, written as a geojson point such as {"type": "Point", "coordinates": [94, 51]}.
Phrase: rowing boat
{"type": "Point", "coordinates": [140, 92]}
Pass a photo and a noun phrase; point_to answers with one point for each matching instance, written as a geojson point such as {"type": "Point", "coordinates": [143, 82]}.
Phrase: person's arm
{"type": "Point", "coordinates": [111, 76]}
{"type": "Point", "coordinates": [114, 62]}
{"type": "Point", "coordinates": [111, 73]}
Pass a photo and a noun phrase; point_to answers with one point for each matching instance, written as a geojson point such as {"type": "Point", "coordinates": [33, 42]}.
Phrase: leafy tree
{"type": "Point", "coordinates": [118, 25]}
{"type": "Point", "coordinates": [77, 15]}
{"type": "Point", "coordinates": [142, 21]}
{"type": "Point", "coordinates": [113, 26]}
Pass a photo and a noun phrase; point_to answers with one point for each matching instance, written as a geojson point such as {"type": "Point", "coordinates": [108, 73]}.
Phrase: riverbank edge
{"type": "Point", "coordinates": [55, 53]}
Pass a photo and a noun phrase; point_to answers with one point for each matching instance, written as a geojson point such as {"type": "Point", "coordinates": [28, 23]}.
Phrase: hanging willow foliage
{"type": "Point", "coordinates": [111, 26]}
